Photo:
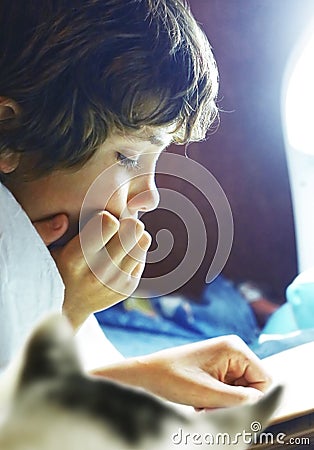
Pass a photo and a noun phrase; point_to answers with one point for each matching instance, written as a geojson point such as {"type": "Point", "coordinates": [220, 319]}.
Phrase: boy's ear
{"type": "Point", "coordinates": [9, 109]}
{"type": "Point", "coordinates": [9, 161]}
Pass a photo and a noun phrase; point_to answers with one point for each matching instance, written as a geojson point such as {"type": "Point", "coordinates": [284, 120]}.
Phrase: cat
{"type": "Point", "coordinates": [56, 406]}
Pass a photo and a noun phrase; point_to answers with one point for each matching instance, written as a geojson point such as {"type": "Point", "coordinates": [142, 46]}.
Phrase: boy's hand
{"type": "Point", "coordinates": [215, 373]}
{"type": "Point", "coordinates": [53, 228]}
{"type": "Point", "coordinates": [107, 270]}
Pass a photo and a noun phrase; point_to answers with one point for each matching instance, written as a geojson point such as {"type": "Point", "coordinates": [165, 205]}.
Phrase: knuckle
{"type": "Point", "coordinates": [231, 343]}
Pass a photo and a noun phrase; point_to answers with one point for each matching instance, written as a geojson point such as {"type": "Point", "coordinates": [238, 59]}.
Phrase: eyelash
{"type": "Point", "coordinates": [128, 163]}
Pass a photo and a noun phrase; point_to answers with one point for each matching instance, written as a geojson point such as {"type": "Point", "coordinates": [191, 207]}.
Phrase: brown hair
{"type": "Point", "coordinates": [79, 69]}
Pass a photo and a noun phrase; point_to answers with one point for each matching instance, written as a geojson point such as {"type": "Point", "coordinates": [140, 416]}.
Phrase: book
{"type": "Point", "coordinates": [292, 424]}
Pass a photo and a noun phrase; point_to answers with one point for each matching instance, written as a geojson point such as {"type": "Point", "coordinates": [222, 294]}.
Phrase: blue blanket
{"type": "Point", "coordinates": [140, 326]}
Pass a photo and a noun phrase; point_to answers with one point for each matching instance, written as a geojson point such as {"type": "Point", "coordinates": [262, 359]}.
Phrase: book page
{"type": "Point", "coordinates": [293, 369]}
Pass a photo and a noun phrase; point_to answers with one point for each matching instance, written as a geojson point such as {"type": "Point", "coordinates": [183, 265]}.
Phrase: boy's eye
{"type": "Point", "coordinates": [127, 162]}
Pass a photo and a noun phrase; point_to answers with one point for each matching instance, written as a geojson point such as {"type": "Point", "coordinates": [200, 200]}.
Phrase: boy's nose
{"type": "Point", "coordinates": [145, 196]}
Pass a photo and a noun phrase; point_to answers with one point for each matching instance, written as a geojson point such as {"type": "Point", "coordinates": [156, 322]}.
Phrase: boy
{"type": "Point", "coordinates": [87, 86]}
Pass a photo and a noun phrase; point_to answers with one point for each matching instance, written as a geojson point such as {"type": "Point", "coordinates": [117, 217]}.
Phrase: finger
{"type": "Point", "coordinates": [255, 377]}
{"type": "Point", "coordinates": [140, 249]}
{"type": "Point", "coordinates": [255, 374]}
{"type": "Point", "coordinates": [230, 399]}
{"type": "Point", "coordinates": [137, 255]}
{"type": "Point", "coordinates": [52, 228]}
{"type": "Point", "coordinates": [121, 244]}
{"type": "Point", "coordinates": [138, 270]}
{"type": "Point", "coordinates": [238, 365]}
{"type": "Point", "coordinates": [225, 395]}
{"type": "Point", "coordinates": [247, 370]}
{"type": "Point", "coordinates": [97, 232]}
{"type": "Point", "coordinates": [212, 393]}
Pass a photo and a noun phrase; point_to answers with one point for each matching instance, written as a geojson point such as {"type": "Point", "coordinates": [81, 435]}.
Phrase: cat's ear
{"type": "Point", "coordinates": [50, 352]}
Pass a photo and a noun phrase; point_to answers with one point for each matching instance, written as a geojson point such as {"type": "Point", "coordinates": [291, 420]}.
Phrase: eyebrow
{"type": "Point", "coordinates": [159, 141]}
{"type": "Point", "coordinates": [155, 140]}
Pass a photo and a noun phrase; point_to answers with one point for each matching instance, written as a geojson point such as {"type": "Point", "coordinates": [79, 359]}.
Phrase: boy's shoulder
{"type": "Point", "coordinates": [25, 264]}
{"type": "Point", "coordinates": [19, 240]}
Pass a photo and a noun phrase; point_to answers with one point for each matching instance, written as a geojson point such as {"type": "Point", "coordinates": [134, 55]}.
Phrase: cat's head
{"type": "Point", "coordinates": [56, 405]}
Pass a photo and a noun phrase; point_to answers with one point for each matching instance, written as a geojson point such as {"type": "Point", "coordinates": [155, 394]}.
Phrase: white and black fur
{"type": "Point", "coordinates": [55, 406]}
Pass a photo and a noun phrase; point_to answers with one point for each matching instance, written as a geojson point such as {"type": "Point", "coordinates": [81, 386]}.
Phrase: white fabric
{"type": "Point", "coordinates": [31, 287]}
{"type": "Point", "coordinates": [94, 348]}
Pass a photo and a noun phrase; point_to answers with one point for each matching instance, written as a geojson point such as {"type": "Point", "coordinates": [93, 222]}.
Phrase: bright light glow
{"type": "Point", "coordinates": [299, 102]}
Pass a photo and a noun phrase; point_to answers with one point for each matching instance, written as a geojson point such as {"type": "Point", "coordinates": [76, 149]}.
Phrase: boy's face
{"type": "Point", "coordinates": [126, 187]}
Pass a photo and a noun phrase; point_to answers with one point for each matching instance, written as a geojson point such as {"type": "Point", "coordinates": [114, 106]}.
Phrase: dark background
{"type": "Point", "coordinates": [252, 41]}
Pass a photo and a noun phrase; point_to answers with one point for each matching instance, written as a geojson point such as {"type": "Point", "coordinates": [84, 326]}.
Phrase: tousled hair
{"type": "Point", "coordinates": [81, 69]}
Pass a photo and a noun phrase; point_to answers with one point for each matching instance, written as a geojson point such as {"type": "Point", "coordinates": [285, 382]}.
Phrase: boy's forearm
{"type": "Point", "coordinates": [145, 373]}
{"type": "Point", "coordinates": [217, 372]}
{"type": "Point", "coordinates": [130, 371]}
